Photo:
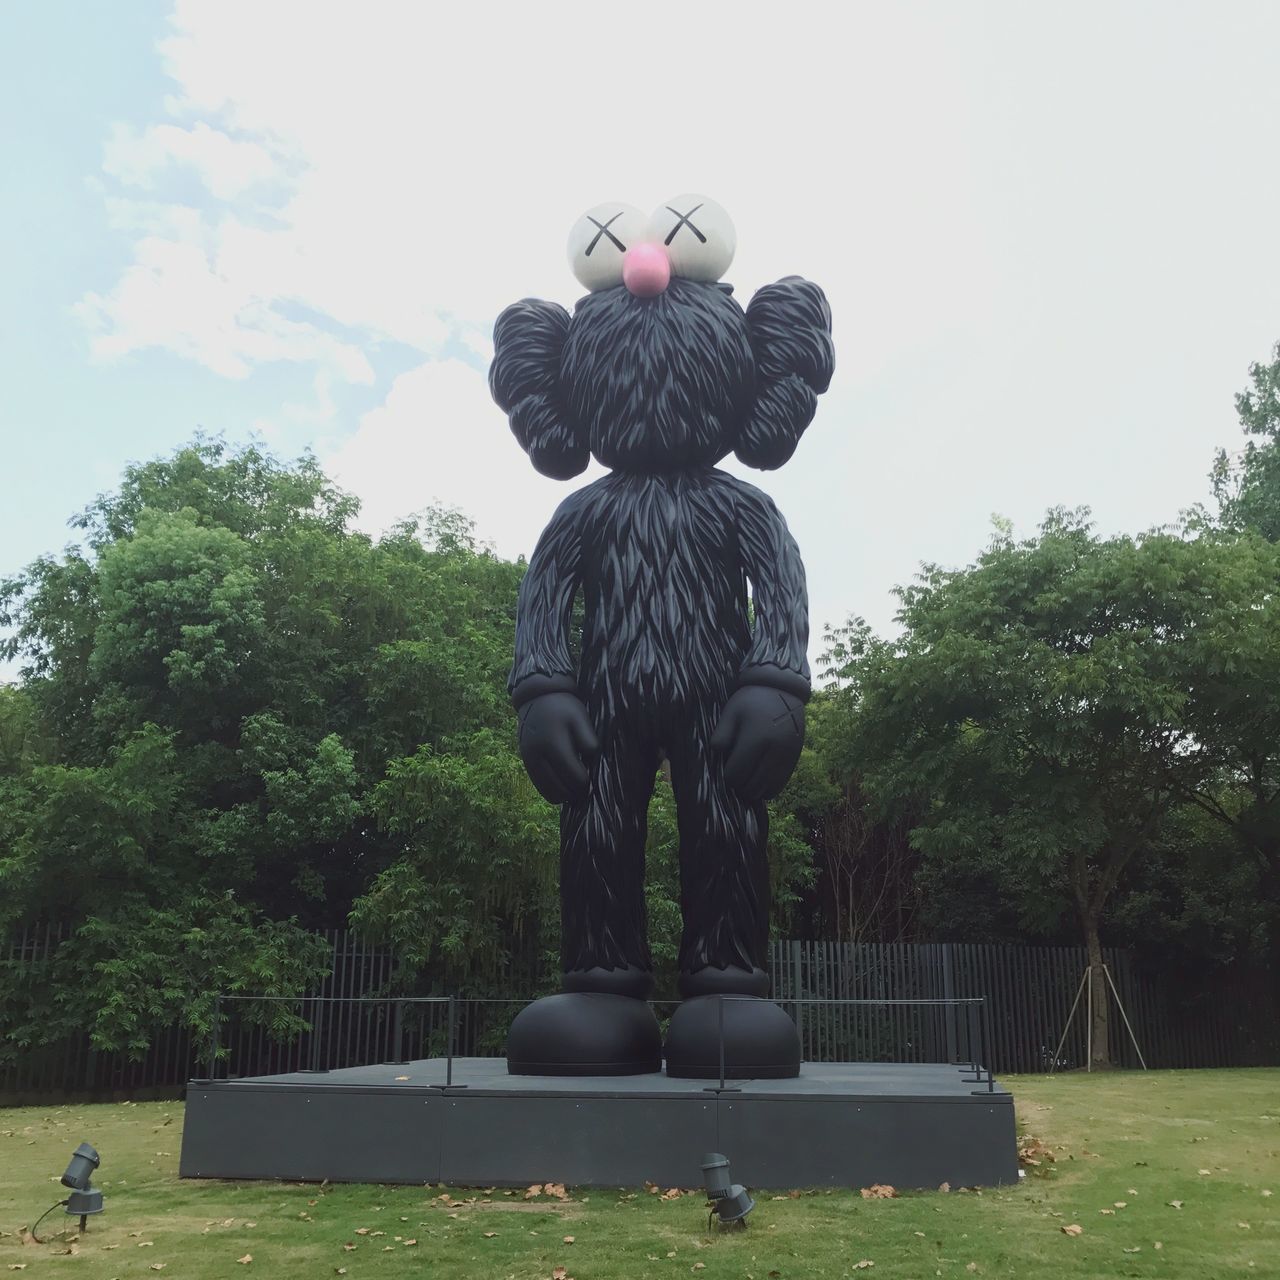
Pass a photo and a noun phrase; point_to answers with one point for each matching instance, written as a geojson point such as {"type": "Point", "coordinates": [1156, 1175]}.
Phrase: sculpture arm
{"type": "Point", "coordinates": [778, 656]}
{"type": "Point", "coordinates": [544, 608]}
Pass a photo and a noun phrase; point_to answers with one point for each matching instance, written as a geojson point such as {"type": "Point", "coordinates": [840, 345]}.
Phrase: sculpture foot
{"type": "Point", "coordinates": [584, 1033]}
{"type": "Point", "coordinates": [760, 1040]}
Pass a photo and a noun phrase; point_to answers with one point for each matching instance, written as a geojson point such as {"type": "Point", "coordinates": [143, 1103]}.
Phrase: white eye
{"type": "Point", "coordinates": [698, 235]}
{"type": "Point", "coordinates": [599, 239]}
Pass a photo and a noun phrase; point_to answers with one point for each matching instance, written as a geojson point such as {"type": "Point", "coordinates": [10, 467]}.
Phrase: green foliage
{"type": "Point", "coordinates": [1045, 710]}
{"type": "Point", "coordinates": [1247, 486]}
{"type": "Point", "coordinates": [223, 691]}
{"type": "Point", "coordinates": [477, 867]}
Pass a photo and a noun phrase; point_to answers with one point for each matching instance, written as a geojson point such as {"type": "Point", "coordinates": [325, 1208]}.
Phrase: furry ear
{"type": "Point", "coordinates": [789, 324]}
{"type": "Point", "coordinates": [524, 378]}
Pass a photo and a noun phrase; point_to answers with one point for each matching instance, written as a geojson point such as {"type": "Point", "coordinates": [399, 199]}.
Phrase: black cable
{"type": "Point", "coordinates": [42, 1217]}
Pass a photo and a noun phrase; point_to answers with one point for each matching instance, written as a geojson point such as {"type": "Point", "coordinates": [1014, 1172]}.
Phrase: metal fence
{"type": "Point", "coordinates": [353, 1016]}
{"type": "Point", "coordinates": [1029, 993]}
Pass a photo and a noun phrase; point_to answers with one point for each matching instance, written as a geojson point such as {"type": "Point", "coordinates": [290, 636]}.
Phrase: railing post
{"type": "Point", "coordinates": [214, 1035]}
{"type": "Point", "coordinates": [720, 1036]}
{"type": "Point", "coordinates": [317, 1025]}
{"type": "Point", "coordinates": [399, 1031]}
{"type": "Point", "coordinates": [448, 1071]}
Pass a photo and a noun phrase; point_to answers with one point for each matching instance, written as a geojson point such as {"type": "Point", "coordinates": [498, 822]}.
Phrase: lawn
{"type": "Point", "coordinates": [1167, 1174]}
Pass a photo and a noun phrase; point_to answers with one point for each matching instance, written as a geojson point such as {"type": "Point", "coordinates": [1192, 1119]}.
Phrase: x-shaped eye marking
{"type": "Point", "coordinates": [684, 222]}
{"type": "Point", "coordinates": [604, 231]}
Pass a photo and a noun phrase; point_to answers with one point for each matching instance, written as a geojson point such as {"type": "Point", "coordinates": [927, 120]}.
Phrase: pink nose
{"type": "Point", "coordinates": [646, 270]}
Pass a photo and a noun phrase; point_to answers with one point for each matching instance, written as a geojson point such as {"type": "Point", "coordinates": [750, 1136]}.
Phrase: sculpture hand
{"type": "Point", "coordinates": [557, 745]}
{"type": "Point", "coordinates": [760, 734]}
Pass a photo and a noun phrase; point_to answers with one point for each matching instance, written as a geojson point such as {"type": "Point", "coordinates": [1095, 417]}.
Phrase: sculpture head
{"type": "Point", "coordinates": [659, 368]}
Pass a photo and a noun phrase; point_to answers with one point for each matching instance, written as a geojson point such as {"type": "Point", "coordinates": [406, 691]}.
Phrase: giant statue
{"type": "Point", "coordinates": [694, 627]}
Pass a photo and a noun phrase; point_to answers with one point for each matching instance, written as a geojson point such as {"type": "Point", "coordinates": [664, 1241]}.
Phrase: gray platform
{"type": "Point", "coordinates": [846, 1124]}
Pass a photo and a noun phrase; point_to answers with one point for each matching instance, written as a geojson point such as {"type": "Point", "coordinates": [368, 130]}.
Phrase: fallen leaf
{"type": "Point", "coordinates": [402, 1077]}
{"type": "Point", "coordinates": [1072, 1229]}
{"type": "Point", "coordinates": [407, 1243]}
{"type": "Point", "coordinates": [559, 1273]}
{"type": "Point", "coordinates": [1174, 1204]}
{"type": "Point", "coordinates": [535, 1190]}
{"type": "Point", "coordinates": [1159, 1244]}
{"type": "Point", "coordinates": [971, 1267]}
{"type": "Point", "coordinates": [698, 1266]}
{"type": "Point", "coordinates": [1244, 1225]}
{"type": "Point", "coordinates": [568, 1239]}
{"type": "Point", "coordinates": [1205, 1173]}
{"type": "Point", "coordinates": [488, 1235]}
{"type": "Point", "coordinates": [863, 1265]}
{"type": "Point", "coordinates": [248, 1257]}
{"type": "Point", "coordinates": [339, 1271]}
{"type": "Point", "coordinates": [1112, 1212]}
{"type": "Point", "coordinates": [944, 1186]}
{"type": "Point", "coordinates": [1136, 1249]}
{"type": "Point", "coordinates": [158, 1266]}
{"type": "Point", "coordinates": [877, 1191]}
{"type": "Point", "coordinates": [145, 1244]}
{"type": "Point", "coordinates": [362, 1231]}
{"type": "Point", "coordinates": [1120, 1204]}
{"type": "Point", "coordinates": [349, 1247]}
{"type": "Point", "coordinates": [1266, 1192]}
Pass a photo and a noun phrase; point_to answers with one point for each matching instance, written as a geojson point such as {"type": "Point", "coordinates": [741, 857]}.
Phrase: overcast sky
{"type": "Point", "coordinates": [1049, 234]}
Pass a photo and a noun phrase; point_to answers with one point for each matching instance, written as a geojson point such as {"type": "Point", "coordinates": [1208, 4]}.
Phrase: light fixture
{"type": "Point", "coordinates": [83, 1199]}
{"type": "Point", "coordinates": [729, 1200]}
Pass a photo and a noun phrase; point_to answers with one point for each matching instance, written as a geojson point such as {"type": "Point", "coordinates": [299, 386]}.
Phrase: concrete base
{"type": "Point", "coordinates": [837, 1124]}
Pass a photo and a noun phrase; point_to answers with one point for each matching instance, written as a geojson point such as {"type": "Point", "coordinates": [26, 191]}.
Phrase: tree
{"type": "Point", "coordinates": [1247, 486]}
{"type": "Point", "coordinates": [1046, 708]}
{"type": "Point", "coordinates": [216, 684]}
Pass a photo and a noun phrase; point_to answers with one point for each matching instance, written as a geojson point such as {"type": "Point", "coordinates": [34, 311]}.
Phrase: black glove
{"type": "Point", "coordinates": [557, 745]}
{"type": "Point", "coordinates": [760, 734]}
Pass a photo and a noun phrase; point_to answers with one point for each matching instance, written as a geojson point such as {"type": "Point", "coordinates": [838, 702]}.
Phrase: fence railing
{"type": "Point", "coordinates": [864, 1013]}
{"type": "Point", "coordinates": [332, 1033]}
{"type": "Point", "coordinates": [1029, 992]}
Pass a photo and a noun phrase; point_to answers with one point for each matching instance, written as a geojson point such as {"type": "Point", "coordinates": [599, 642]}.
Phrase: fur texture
{"type": "Point", "coordinates": [663, 551]}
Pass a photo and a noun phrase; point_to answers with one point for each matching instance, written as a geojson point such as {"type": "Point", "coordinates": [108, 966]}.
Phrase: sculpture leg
{"type": "Point", "coordinates": [724, 894]}
{"type": "Point", "coordinates": [599, 1024]}
{"type": "Point", "coordinates": [604, 944]}
{"type": "Point", "coordinates": [724, 874]}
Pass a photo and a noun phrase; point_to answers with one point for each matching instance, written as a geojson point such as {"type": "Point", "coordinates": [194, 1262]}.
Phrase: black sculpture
{"type": "Point", "coordinates": [659, 374]}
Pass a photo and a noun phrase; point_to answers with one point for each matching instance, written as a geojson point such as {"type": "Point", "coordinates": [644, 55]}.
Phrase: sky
{"type": "Point", "coordinates": [1048, 235]}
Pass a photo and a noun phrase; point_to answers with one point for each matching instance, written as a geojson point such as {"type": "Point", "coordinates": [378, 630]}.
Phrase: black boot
{"type": "Point", "coordinates": [598, 1026]}
{"type": "Point", "coordinates": [759, 1040]}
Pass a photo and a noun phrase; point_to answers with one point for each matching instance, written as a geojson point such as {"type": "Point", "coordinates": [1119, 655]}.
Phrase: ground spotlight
{"type": "Point", "coordinates": [729, 1200]}
{"type": "Point", "coordinates": [83, 1199]}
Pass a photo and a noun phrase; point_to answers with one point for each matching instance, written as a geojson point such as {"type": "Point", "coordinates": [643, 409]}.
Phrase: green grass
{"type": "Point", "coordinates": [1142, 1140]}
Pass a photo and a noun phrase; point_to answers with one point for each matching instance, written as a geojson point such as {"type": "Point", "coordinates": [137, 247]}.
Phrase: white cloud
{"type": "Point", "coordinates": [225, 166]}
{"type": "Point", "coordinates": [1045, 279]}
{"type": "Point", "coordinates": [439, 439]}
{"type": "Point", "coordinates": [174, 298]}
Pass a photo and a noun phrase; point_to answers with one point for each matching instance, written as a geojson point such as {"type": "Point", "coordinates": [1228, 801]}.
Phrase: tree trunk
{"type": "Point", "coordinates": [1100, 1051]}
